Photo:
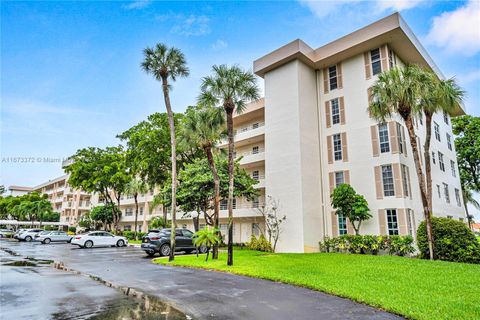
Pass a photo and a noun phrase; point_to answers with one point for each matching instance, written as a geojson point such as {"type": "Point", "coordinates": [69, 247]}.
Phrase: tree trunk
{"type": "Point", "coordinates": [216, 206]}
{"type": "Point", "coordinates": [117, 216]}
{"type": "Point", "coordinates": [196, 222]}
{"type": "Point", "coordinates": [421, 183]}
{"type": "Point", "coordinates": [465, 204]}
{"type": "Point", "coordinates": [231, 146]}
{"type": "Point", "coordinates": [428, 165]}
{"type": "Point", "coordinates": [171, 123]}
{"type": "Point", "coordinates": [136, 215]}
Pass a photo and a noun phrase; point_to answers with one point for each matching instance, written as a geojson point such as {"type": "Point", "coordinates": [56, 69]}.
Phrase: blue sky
{"type": "Point", "coordinates": [70, 74]}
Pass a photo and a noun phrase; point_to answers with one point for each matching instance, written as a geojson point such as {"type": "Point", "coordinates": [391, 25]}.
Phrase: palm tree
{"type": "Point", "coordinates": [206, 237]}
{"type": "Point", "coordinates": [468, 198]}
{"type": "Point", "coordinates": [399, 91]}
{"type": "Point", "coordinates": [204, 127]}
{"type": "Point", "coordinates": [232, 88]}
{"type": "Point", "coordinates": [437, 96]}
{"type": "Point", "coordinates": [166, 64]}
{"type": "Point", "coordinates": [135, 187]}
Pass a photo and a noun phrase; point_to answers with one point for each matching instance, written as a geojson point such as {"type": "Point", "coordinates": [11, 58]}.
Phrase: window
{"type": "Point", "coordinates": [187, 233]}
{"type": "Point", "coordinates": [223, 204]}
{"type": "Point", "coordinates": [387, 178]}
{"type": "Point", "coordinates": [446, 193]}
{"type": "Point", "coordinates": [383, 138]}
{"type": "Point", "coordinates": [449, 142]}
{"type": "Point", "coordinates": [255, 150]}
{"type": "Point", "coordinates": [433, 157]}
{"type": "Point", "coordinates": [392, 59]}
{"type": "Point", "coordinates": [337, 146]}
{"type": "Point", "coordinates": [255, 202]}
{"type": "Point", "coordinates": [332, 77]}
{"type": "Point", "coordinates": [392, 222]}
{"type": "Point", "coordinates": [255, 229]}
{"type": "Point", "coordinates": [339, 178]}
{"type": "Point", "coordinates": [445, 117]}
{"type": "Point", "coordinates": [141, 211]}
{"type": "Point", "coordinates": [375, 60]}
{"type": "Point", "coordinates": [440, 161]}
{"type": "Point", "coordinates": [128, 212]}
{"type": "Point", "coordinates": [335, 111]}
{"type": "Point", "coordinates": [400, 137]}
{"type": "Point", "coordinates": [342, 224]}
{"type": "Point", "coordinates": [405, 180]}
{"type": "Point", "coordinates": [450, 217]}
{"type": "Point", "coordinates": [457, 197]}
{"type": "Point", "coordinates": [439, 192]}
{"type": "Point", "coordinates": [436, 128]}
{"type": "Point", "coordinates": [255, 175]}
{"type": "Point", "coordinates": [127, 228]}
{"type": "Point", "coordinates": [452, 165]}
{"type": "Point", "coordinates": [234, 203]}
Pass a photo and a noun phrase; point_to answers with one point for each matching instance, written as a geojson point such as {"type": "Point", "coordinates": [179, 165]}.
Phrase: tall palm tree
{"type": "Point", "coordinates": [398, 91]}
{"type": "Point", "coordinates": [231, 88]}
{"type": "Point", "coordinates": [437, 96]}
{"type": "Point", "coordinates": [468, 198]}
{"type": "Point", "coordinates": [166, 64]}
{"type": "Point", "coordinates": [204, 127]}
{"type": "Point", "coordinates": [135, 187]}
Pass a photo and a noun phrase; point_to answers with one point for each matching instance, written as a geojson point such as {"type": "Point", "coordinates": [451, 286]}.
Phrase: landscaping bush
{"type": "Point", "coordinates": [260, 244]}
{"type": "Point", "coordinates": [453, 241]}
{"type": "Point", "coordinates": [72, 229]}
{"type": "Point", "coordinates": [369, 244]}
{"type": "Point", "coordinates": [130, 235]}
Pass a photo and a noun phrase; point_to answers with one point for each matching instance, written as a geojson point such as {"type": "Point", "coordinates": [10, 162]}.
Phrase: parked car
{"type": "Point", "coordinates": [160, 242]}
{"type": "Point", "coordinates": [29, 234]}
{"type": "Point", "coordinates": [46, 237]}
{"type": "Point", "coordinates": [18, 232]}
{"type": "Point", "coordinates": [5, 233]}
{"type": "Point", "coordinates": [98, 239]}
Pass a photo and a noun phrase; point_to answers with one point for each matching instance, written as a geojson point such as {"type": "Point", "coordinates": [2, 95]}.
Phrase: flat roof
{"type": "Point", "coordinates": [20, 188]}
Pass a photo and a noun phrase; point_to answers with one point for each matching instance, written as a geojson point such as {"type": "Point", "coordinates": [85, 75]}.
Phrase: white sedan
{"type": "Point", "coordinates": [99, 239]}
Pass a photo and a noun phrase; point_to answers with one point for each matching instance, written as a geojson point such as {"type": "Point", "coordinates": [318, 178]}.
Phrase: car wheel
{"type": "Point", "coordinates": [151, 254]}
{"type": "Point", "coordinates": [88, 244]}
{"type": "Point", "coordinates": [47, 241]}
{"type": "Point", "coordinates": [28, 238]}
{"type": "Point", "coordinates": [203, 249]}
{"type": "Point", "coordinates": [165, 250]}
{"type": "Point", "coordinates": [120, 243]}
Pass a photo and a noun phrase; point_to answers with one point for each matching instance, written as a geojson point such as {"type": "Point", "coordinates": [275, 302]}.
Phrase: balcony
{"type": "Point", "coordinates": [243, 210]}
{"type": "Point", "coordinates": [245, 133]}
{"type": "Point", "coordinates": [251, 157]}
{"type": "Point", "coordinates": [260, 184]}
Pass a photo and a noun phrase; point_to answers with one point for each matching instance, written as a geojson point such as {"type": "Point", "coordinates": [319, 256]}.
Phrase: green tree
{"type": "Point", "coordinates": [2, 190]}
{"type": "Point", "coordinates": [350, 205]}
{"type": "Point", "coordinates": [467, 144]}
{"type": "Point", "coordinates": [231, 88]}
{"type": "Point", "coordinates": [166, 64]}
{"type": "Point", "coordinates": [85, 221]}
{"type": "Point", "coordinates": [398, 91]}
{"type": "Point", "coordinates": [206, 237]}
{"type": "Point", "coordinates": [204, 127]}
{"type": "Point", "coordinates": [159, 223]}
{"type": "Point", "coordinates": [135, 187]}
{"type": "Point", "coordinates": [105, 214]}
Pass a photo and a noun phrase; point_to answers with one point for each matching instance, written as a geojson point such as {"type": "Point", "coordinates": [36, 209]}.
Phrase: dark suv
{"type": "Point", "coordinates": [159, 241]}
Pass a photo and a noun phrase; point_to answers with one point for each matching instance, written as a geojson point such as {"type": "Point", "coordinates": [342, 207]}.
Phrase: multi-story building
{"type": "Point", "coordinates": [312, 132]}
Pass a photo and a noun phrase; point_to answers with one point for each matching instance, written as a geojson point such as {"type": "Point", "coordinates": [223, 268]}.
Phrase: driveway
{"type": "Point", "coordinates": [200, 294]}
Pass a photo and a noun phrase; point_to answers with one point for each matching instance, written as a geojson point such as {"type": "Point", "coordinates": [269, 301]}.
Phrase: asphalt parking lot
{"type": "Point", "coordinates": [198, 294]}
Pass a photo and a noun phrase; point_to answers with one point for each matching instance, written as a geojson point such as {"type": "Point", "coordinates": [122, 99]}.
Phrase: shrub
{"type": "Point", "coordinates": [72, 229]}
{"type": "Point", "coordinates": [400, 246]}
{"type": "Point", "coordinates": [369, 244]}
{"type": "Point", "coordinates": [130, 235]}
{"type": "Point", "coordinates": [453, 241]}
{"type": "Point", "coordinates": [260, 244]}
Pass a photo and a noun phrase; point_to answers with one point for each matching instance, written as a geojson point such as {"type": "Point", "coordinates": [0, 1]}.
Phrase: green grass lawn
{"type": "Point", "coordinates": [134, 241]}
{"type": "Point", "coordinates": [414, 288]}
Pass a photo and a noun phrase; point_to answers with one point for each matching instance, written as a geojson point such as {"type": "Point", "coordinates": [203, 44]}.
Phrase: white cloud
{"type": "Point", "coordinates": [458, 31]}
{"type": "Point", "coordinates": [191, 25]}
{"type": "Point", "coordinates": [139, 4]}
{"type": "Point", "coordinates": [219, 45]}
{"type": "Point", "coordinates": [398, 5]}
{"type": "Point", "coordinates": [469, 77]}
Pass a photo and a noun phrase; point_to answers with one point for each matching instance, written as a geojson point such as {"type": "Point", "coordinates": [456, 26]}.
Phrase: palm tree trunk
{"type": "Point", "coordinates": [136, 215]}
{"type": "Point", "coordinates": [421, 183]}
{"type": "Point", "coordinates": [216, 206]}
{"type": "Point", "coordinates": [231, 146]}
{"type": "Point", "coordinates": [171, 123]}
{"type": "Point", "coordinates": [428, 165]}
{"type": "Point", "coordinates": [116, 216]}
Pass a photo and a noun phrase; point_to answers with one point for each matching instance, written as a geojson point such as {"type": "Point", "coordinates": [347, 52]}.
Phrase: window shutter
{"type": "Point", "coordinates": [384, 58]}
{"type": "Point", "coordinates": [397, 177]}
{"type": "Point", "coordinates": [382, 222]}
{"type": "Point", "coordinates": [331, 181]}
{"type": "Point", "coordinates": [405, 144]}
{"type": "Point", "coordinates": [342, 110]}
{"type": "Point", "coordinates": [334, 225]}
{"type": "Point", "coordinates": [328, 116]}
{"type": "Point", "coordinates": [368, 69]}
{"type": "Point", "coordinates": [402, 222]}
{"type": "Point", "coordinates": [375, 146]}
{"type": "Point", "coordinates": [409, 184]}
{"type": "Point", "coordinates": [339, 76]}
{"type": "Point", "coordinates": [346, 176]}
{"type": "Point", "coordinates": [350, 229]}
{"type": "Point", "coordinates": [325, 80]}
{"type": "Point", "coordinates": [344, 147]}
{"type": "Point", "coordinates": [370, 99]}
{"type": "Point", "coordinates": [392, 131]}
{"type": "Point", "coordinates": [378, 182]}
{"type": "Point", "coordinates": [329, 150]}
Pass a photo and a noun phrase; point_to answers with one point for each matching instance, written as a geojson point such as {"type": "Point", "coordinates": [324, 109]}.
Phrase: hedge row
{"type": "Point", "coordinates": [369, 244]}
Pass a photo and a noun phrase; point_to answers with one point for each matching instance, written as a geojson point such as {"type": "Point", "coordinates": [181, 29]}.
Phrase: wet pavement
{"type": "Point", "coordinates": [198, 294]}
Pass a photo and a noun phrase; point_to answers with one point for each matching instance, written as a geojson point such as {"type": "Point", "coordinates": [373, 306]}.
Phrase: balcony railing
{"type": "Point", "coordinates": [252, 126]}
{"type": "Point", "coordinates": [248, 153]}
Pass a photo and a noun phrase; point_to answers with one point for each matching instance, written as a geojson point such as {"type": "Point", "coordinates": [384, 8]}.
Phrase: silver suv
{"type": "Point", "coordinates": [29, 234]}
{"type": "Point", "coordinates": [46, 237]}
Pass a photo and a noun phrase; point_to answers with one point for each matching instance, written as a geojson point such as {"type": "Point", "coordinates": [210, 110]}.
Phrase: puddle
{"type": "Point", "coordinates": [131, 309]}
{"type": "Point", "coordinates": [9, 251]}
{"type": "Point", "coordinates": [21, 263]}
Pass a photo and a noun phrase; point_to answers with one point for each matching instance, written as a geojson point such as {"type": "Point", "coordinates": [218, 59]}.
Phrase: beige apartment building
{"type": "Point", "coordinates": [312, 132]}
